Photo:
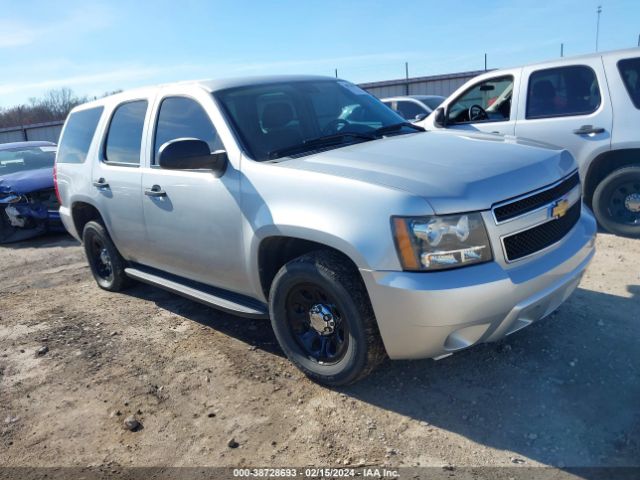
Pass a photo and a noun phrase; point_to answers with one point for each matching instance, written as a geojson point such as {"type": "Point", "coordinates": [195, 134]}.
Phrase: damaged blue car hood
{"type": "Point", "coordinates": [26, 182]}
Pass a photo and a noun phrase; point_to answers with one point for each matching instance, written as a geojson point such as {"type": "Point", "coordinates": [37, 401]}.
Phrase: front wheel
{"type": "Point", "coordinates": [323, 319]}
{"type": "Point", "coordinates": [106, 263]}
{"type": "Point", "coordinates": [616, 202]}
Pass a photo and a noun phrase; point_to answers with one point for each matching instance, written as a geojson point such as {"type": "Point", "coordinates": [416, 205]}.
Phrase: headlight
{"type": "Point", "coordinates": [441, 242]}
{"type": "Point", "coordinates": [9, 197]}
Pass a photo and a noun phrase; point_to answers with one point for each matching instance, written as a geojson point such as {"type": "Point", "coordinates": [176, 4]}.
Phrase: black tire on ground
{"type": "Point", "coordinates": [106, 263]}
{"type": "Point", "coordinates": [6, 229]}
{"type": "Point", "coordinates": [608, 202]}
{"type": "Point", "coordinates": [331, 273]}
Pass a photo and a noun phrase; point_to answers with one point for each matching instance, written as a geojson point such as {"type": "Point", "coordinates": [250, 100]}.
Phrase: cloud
{"type": "Point", "coordinates": [14, 33]}
{"type": "Point", "coordinates": [106, 77]}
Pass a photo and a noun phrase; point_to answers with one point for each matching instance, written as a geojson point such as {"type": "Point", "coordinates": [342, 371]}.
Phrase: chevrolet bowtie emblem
{"type": "Point", "coordinates": [560, 208]}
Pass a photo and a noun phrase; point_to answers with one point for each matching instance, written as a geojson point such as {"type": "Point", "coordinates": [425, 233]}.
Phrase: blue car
{"type": "Point", "coordinates": [28, 202]}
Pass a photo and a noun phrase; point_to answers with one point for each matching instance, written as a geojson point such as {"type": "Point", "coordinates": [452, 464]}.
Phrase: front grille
{"type": "Point", "coordinates": [530, 241]}
{"type": "Point", "coordinates": [528, 204]}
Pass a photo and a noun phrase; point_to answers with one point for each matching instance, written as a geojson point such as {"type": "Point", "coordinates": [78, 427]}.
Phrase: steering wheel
{"type": "Point", "coordinates": [476, 112]}
{"type": "Point", "coordinates": [334, 126]}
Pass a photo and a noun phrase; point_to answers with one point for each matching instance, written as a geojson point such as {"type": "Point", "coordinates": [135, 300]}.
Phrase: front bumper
{"type": "Point", "coordinates": [430, 314]}
{"type": "Point", "coordinates": [22, 220]}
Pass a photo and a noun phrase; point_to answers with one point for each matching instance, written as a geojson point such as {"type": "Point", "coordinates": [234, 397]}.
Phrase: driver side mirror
{"type": "Point", "coordinates": [440, 117]}
{"type": "Point", "coordinates": [192, 154]}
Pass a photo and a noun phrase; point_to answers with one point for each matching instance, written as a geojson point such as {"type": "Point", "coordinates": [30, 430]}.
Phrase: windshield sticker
{"type": "Point", "coordinates": [353, 88]}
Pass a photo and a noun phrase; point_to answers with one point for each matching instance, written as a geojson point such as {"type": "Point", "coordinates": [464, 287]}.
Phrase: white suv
{"type": "Point", "coordinates": [306, 200]}
{"type": "Point", "coordinates": [589, 105]}
{"type": "Point", "coordinates": [414, 108]}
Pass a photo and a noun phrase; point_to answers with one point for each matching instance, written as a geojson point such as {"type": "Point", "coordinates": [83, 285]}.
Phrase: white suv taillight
{"type": "Point", "coordinates": [55, 183]}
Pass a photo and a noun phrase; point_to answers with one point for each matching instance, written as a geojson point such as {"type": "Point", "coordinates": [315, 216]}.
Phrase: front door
{"type": "Point", "coordinates": [194, 226]}
{"type": "Point", "coordinates": [567, 106]}
{"type": "Point", "coordinates": [486, 106]}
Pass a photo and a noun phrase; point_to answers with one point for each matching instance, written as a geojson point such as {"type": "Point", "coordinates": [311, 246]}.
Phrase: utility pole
{"type": "Point", "coordinates": [485, 62]}
{"type": "Point", "coordinates": [406, 75]}
{"type": "Point", "coordinates": [562, 50]}
{"type": "Point", "coordinates": [639, 40]}
{"type": "Point", "coordinates": [336, 73]}
{"type": "Point", "coordinates": [599, 11]}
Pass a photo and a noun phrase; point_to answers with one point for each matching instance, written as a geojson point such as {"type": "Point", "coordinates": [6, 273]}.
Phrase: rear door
{"type": "Point", "coordinates": [116, 176]}
{"type": "Point", "coordinates": [194, 227]}
{"type": "Point", "coordinates": [623, 75]}
{"type": "Point", "coordinates": [568, 105]}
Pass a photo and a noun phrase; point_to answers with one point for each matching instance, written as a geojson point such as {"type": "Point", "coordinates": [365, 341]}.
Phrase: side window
{"type": "Point", "coordinates": [74, 144]}
{"type": "Point", "coordinates": [124, 137]}
{"type": "Point", "coordinates": [409, 110]}
{"type": "Point", "coordinates": [563, 91]}
{"type": "Point", "coordinates": [182, 117]}
{"type": "Point", "coordinates": [630, 72]}
{"type": "Point", "coordinates": [493, 97]}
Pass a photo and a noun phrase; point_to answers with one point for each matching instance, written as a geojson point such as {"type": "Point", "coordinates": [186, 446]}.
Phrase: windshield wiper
{"type": "Point", "coordinates": [397, 126]}
{"type": "Point", "coordinates": [327, 140]}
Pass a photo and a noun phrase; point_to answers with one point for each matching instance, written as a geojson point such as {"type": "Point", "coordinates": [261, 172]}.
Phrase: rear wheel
{"type": "Point", "coordinates": [323, 320]}
{"type": "Point", "coordinates": [106, 263]}
{"type": "Point", "coordinates": [616, 202]}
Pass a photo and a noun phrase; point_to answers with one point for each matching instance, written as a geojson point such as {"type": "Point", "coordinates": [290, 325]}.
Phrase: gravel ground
{"type": "Point", "coordinates": [210, 389]}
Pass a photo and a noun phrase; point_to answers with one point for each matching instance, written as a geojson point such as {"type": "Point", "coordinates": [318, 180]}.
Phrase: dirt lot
{"type": "Point", "coordinates": [563, 392]}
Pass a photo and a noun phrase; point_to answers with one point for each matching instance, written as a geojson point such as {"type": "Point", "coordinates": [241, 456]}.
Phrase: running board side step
{"type": "Point", "coordinates": [211, 296]}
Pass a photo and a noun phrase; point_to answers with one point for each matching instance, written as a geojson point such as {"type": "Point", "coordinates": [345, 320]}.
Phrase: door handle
{"type": "Point", "coordinates": [155, 191]}
{"type": "Point", "coordinates": [588, 129]}
{"type": "Point", "coordinates": [100, 183]}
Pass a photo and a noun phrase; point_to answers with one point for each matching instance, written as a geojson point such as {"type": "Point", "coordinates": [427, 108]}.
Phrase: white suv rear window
{"type": "Point", "coordinates": [630, 72]}
{"type": "Point", "coordinates": [78, 132]}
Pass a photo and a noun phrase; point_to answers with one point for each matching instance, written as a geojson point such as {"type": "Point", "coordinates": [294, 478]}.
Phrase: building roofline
{"type": "Point", "coordinates": [430, 78]}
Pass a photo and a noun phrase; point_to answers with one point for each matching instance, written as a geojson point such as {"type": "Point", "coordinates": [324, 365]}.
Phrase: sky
{"type": "Point", "coordinates": [97, 46]}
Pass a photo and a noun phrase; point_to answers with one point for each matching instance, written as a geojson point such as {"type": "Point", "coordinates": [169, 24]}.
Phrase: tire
{"type": "Point", "coordinates": [355, 348]}
{"type": "Point", "coordinates": [616, 200]}
{"type": "Point", "coordinates": [106, 263]}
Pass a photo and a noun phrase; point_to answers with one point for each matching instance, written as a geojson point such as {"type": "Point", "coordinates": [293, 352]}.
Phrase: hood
{"type": "Point", "coordinates": [26, 182]}
{"type": "Point", "coordinates": [454, 173]}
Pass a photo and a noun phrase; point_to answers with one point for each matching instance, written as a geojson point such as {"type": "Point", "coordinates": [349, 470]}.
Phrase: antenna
{"type": "Point", "coordinates": [598, 11]}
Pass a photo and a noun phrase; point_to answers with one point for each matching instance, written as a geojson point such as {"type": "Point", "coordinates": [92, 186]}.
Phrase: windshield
{"type": "Point", "coordinates": [432, 102]}
{"type": "Point", "coordinates": [22, 159]}
{"type": "Point", "coordinates": [273, 118]}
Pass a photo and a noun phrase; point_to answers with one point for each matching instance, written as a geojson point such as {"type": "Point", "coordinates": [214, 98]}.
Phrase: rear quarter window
{"type": "Point", "coordinates": [77, 136]}
{"type": "Point", "coordinates": [630, 73]}
{"type": "Point", "coordinates": [124, 137]}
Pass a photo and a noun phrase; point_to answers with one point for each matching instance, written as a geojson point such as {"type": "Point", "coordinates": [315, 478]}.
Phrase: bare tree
{"type": "Point", "coordinates": [54, 105]}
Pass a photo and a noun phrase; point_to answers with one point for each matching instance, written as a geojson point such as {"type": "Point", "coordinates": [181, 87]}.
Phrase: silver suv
{"type": "Point", "coordinates": [588, 104]}
{"type": "Point", "coordinates": [306, 200]}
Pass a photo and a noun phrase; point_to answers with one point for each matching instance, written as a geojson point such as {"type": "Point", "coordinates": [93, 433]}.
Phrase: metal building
{"type": "Point", "coordinates": [443, 85]}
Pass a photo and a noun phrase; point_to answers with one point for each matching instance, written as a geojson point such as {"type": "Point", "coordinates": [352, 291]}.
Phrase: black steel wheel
{"type": "Point", "coordinates": [316, 323]}
{"type": "Point", "coordinates": [106, 263]}
{"type": "Point", "coordinates": [323, 319]}
{"type": "Point", "coordinates": [616, 202]}
{"type": "Point", "coordinates": [101, 259]}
